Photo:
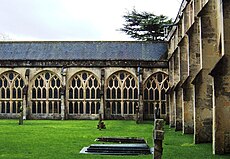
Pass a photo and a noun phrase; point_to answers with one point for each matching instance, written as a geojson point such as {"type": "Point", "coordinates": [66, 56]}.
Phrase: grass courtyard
{"type": "Point", "coordinates": [64, 139]}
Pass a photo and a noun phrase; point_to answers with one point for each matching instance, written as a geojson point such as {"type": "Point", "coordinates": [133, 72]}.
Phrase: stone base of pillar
{"type": "Point", "coordinates": [188, 130]}
{"type": "Point", "coordinates": [178, 126]}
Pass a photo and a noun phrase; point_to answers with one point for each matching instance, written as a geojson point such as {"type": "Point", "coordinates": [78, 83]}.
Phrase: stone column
{"type": "Point", "coordinates": [24, 107]}
{"type": "Point", "coordinates": [63, 103]}
{"type": "Point", "coordinates": [172, 109]}
{"type": "Point", "coordinates": [178, 97]}
{"type": "Point", "coordinates": [102, 101]}
{"type": "Point", "coordinates": [167, 120]}
{"type": "Point", "coordinates": [203, 107]}
{"type": "Point", "coordinates": [24, 101]}
{"type": "Point", "coordinates": [194, 58]}
{"type": "Point", "coordinates": [63, 94]}
{"type": "Point", "coordinates": [221, 86]}
{"type": "Point", "coordinates": [221, 107]}
{"type": "Point", "coordinates": [203, 82]}
{"type": "Point", "coordinates": [140, 108]}
{"type": "Point", "coordinates": [188, 111]}
{"type": "Point", "coordinates": [25, 93]}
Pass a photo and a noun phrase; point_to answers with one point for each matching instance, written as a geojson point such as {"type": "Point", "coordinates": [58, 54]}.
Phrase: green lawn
{"type": "Point", "coordinates": [64, 139]}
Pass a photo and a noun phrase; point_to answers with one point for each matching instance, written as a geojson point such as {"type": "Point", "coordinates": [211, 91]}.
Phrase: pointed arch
{"type": "Point", "coordinates": [121, 93]}
{"type": "Point", "coordinates": [83, 93]}
{"type": "Point", "coordinates": [11, 94]}
{"type": "Point", "coordinates": [45, 93]}
{"type": "Point", "coordinates": [154, 91]}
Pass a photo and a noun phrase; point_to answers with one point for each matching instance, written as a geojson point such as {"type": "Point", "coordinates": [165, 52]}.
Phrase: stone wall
{"type": "Point", "coordinates": [44, 97]}
{"type": "Point", "coordinates": [200, 38]}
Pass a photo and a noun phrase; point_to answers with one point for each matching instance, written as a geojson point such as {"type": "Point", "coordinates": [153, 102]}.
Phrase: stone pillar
{"type": "Point", "coordinates": [63, 94]}
{"type": "Point", "coordinates": [25, 94]}
{"type": "Point", "coordinates": [221, 86]}
{"type": "Point", "coordinates": [178, 97]}
{"type": "Point", "coordinates": [24, 101]}
{"type": "Point", "coordinates": [140, 95]}
{"type": "Point", "coordinates": [203, 107]}
{"type": "Point", "coordinates": [203, 82]}
{"type": "Point", "coordinates": [63, 103]}
{"type": "Point", "coordinates": [167, 120]}
{"type": "Point", "coordinates": [172, 109]}
{"type": "Point", "coordinates": [221, 107]}
{"type": "Point", "coordinates": [209, 35]}
{"type": "Point", "coordinates": [194, 58]}
{"type": "Point", "coordinates": [102, 101]}
{"type": "Point", "coordinates": [188, 111]}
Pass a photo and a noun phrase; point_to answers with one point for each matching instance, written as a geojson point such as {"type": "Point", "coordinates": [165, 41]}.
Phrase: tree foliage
{"type": "Point", "coordinates": [4, 37]}
{"type": "Point", "coordinates": [144, 25]}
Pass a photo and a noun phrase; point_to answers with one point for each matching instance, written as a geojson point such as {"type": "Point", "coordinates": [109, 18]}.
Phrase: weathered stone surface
{"type": "Point", "coordinates": [205, 104]}
{"type": "Point", "coordinates": [203, 108]}
{"type": "Point", "coordinates": [172, 109]}
{"type": "Point", "coordinates": [178, 93]}
{"type": "Point", "coordinates": [194, 48]}
{"type": "Point", "coordinates": [221, 107]}
{"type": "Point", "coordinates": [40, 112]}
{"type": "Point", "coordinates": [82, 63]}
{"type": "Point", "coordinates": [158, 136]}
{"type": "Point", "coordinates": [187, 108]}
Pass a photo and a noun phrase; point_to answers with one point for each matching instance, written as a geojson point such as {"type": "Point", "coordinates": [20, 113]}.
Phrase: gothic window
{"type": "Point", "coordinates": [155, 94]}
{"type": "Point", "coordinates": [121, 93]}
{"type": "Point", "coordinates": [46, 94]}
{"type": "Point", "coordinates": [84, 94]}
{"type": "Point", "coordinates": [11, 85]}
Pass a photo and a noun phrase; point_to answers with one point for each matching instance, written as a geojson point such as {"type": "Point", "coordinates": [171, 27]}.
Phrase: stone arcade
{"type": "Point", "coordinates": [199, 72]}
{"type": "Point", "coordinates": [188, 77]}
{"type": "Point", "coordinates": [77, 80]}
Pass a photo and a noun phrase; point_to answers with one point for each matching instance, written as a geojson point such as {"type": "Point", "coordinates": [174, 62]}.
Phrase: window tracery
{"type": "Point", "coordinates": [155, 89]}
{"type": "Point", "coordinates": [84, 94]}
{"type": "Point", "coordinates": [46, 89]}
{"type": "Point", "coordinates": [122, 93]}
{"type": "Point", "coordinates": [11, 94]}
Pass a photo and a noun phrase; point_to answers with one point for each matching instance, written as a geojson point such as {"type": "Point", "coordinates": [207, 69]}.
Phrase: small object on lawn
{"type": "Point", "coordinates": [157, 112]}
{"type": "Point", "coordinates": [101, 124]}
{"type": "Point", "coordinates": [21, 116]}
{"type": "Point", "coordinates": [137, 115]}
{"type": "Point", "coordinates": [121, 140]}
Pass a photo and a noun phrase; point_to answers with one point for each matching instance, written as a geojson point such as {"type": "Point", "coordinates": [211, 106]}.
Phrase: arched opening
{"type": "Point", "coordinates": [11, 86]}
{"type": "Point", "coordinates": [121, 95]}
{"type": "Point", "coordinates": [46, 87]}
{"type": "Point", "coordinates": [154, 91]}
{"type": "Point", "coordinates": [84, 94]}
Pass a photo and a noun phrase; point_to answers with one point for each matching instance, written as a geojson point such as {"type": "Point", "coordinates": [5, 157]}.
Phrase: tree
{"type": "Point", "coordinates": [145, 26]}
{"type": "Point", "coordinates": [4, 37]}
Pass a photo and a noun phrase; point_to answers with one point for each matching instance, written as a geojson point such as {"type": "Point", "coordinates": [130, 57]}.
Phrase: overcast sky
{"type": "Point", "coordinates": [74, 19]}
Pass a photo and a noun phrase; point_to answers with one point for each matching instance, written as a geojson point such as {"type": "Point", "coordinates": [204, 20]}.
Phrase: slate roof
{"type": "Point", "coordinates": [82, 50]}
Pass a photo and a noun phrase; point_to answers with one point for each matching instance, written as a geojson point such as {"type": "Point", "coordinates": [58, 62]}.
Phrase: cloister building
{"type": "Point", "coordinates": [187, 77]}
{"type": "Point", "coordinates": [79, 80]}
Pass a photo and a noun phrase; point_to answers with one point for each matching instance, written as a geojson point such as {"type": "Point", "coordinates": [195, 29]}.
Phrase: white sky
{"type": "Point", "coordinates": [74, 19]}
